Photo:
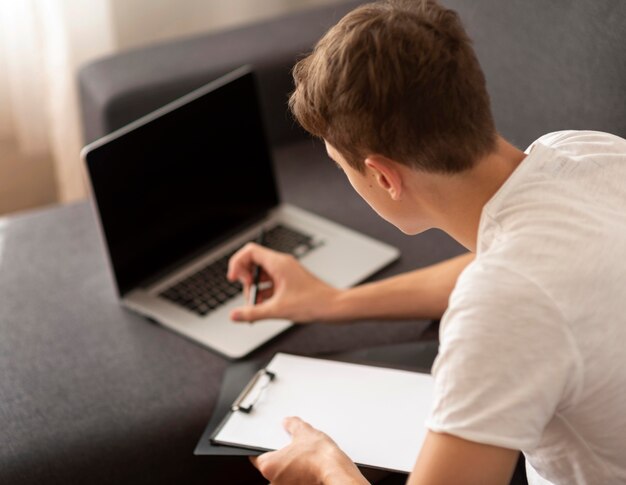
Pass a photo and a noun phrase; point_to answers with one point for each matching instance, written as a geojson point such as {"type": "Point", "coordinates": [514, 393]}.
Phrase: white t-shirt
{"type": "Point", "coordinates": [533, 344]}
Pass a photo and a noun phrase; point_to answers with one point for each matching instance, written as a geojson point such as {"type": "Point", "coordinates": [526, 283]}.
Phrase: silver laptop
{"type": "Point", "coordinates": [178, 191]}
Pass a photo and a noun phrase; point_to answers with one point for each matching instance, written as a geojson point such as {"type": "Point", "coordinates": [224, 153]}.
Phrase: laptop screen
{"type": "Point", "coordinates": [182, 179]}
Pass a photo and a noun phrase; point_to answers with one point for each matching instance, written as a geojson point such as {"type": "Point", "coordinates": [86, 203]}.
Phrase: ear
{"type": "Point", "coordinates": [387, 175]}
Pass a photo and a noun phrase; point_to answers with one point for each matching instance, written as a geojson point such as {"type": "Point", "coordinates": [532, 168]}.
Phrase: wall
{"type": "Point", "coordinates": [43, 166]}
{"type": "Point", "coordinates": [139, 22]}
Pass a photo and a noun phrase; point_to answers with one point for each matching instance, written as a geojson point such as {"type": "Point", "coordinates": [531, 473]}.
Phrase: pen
{"type": "Point", "coordinates": [256, 275]}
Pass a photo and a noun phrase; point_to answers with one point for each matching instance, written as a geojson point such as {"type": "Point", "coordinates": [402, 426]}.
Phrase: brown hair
{"type": "Point", "coordinates": [399, 79]}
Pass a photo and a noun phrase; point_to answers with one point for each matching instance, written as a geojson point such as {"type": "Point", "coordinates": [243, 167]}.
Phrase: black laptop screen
{"type": "Point", "coordinates": [182, 181]}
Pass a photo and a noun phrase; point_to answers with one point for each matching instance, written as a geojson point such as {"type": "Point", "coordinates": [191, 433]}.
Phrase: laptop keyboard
{"type": "Point", "coordinates": [208, 288]}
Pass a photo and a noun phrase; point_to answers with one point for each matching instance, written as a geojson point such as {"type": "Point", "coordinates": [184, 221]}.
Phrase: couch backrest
{"type": "Point", "coordinates": [118, 89]}
{"type": "Point", "coordinates": [550, 65]}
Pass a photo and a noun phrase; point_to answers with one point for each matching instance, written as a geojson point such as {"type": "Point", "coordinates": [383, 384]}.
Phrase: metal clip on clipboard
{"type": "Point", "coordinates": [246, 400]}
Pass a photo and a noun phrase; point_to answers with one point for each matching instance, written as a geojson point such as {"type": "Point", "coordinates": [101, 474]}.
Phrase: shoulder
{"type": "Point", "coordinates": [580, 142]}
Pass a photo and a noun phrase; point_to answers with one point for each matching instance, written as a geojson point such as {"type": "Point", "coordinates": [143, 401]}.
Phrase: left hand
{"type": "Point", "coordinates": [311, 458]}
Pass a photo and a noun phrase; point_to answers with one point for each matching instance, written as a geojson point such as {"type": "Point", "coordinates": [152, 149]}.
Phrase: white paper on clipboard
{"type": "Point", "coordinates": [376, 415]}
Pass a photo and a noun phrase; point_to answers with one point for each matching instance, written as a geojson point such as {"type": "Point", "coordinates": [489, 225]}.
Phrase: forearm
{"type": "Point", "coordinates": [420, 294]}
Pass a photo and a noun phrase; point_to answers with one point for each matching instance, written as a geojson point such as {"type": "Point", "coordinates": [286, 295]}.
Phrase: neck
{"type": "Point", "coordinates": [457, 201]}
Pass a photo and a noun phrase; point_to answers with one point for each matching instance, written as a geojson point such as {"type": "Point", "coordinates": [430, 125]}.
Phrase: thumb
{"type": "Point", "coordinates": [252, 313]}
{"type": "Point", "coordinates": [294, 424]}
{"type": "Point", "coordinates": [254, 460]}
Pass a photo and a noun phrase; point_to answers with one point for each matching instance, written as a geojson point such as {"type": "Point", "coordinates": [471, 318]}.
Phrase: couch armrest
{"type": "Point", "coordinates": [118, 89]}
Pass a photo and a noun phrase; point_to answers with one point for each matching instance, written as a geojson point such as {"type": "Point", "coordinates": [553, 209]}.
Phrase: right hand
{"type": "Point", "coordinates": [295, 293]}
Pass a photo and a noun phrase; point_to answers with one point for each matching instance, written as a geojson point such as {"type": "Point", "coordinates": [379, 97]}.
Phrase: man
{"type": "Point", "coordinates": [531, 341]}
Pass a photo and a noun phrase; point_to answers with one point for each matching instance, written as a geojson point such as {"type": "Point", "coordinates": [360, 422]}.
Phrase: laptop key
{"type": "Point", "coordinates": [208, 287]}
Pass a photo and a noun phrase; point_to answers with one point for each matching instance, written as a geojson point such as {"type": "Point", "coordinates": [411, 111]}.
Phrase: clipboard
{"type": "Point", "coordinates": [234, 379]}
{"type": "Point", "coordinates": [418, 356]}
{"type": "Point", "coordinates": [375, 414]}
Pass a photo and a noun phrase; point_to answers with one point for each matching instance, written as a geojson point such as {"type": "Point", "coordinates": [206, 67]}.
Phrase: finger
{"type": "Point", "coordinates": [266, 463]}
{"type": "Point", "coordinates": [252, 313]}
{"type": "Point", "coordinates": [295, 425]}
{"type": "Point", "coordinates": [242, 262]}
{"type": "Point", "coordinates": [255, 460]}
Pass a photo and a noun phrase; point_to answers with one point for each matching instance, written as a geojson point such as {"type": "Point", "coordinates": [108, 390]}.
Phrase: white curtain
{"type": "Point", "coordinates": [42, 43]}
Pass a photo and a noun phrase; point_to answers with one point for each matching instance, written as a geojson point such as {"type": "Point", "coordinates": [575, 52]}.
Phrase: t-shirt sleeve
{"type": "Point", "coordinates": [506, 362]}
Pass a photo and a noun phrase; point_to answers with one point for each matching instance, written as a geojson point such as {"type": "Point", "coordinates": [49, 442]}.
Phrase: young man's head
{"type": "Point", "coordinates": [396, 80]}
